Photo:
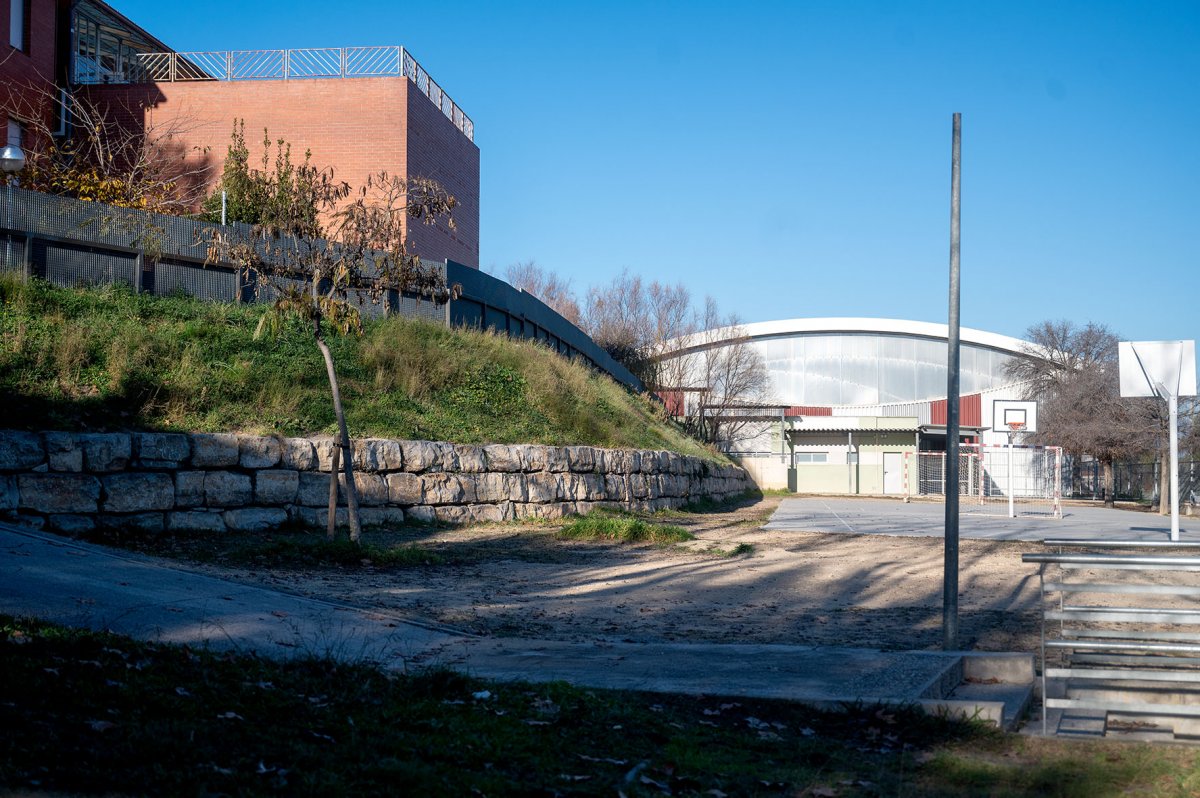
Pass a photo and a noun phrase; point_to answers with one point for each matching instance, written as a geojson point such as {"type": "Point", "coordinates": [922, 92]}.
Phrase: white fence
{"type": "Point", "coordinates": [992, 479]}
{"type": "Point", "coordinates": [232, 65]}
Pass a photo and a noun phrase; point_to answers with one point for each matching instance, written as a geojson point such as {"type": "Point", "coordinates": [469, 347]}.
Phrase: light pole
{"type": "Point", "coordinates": [12, 160]}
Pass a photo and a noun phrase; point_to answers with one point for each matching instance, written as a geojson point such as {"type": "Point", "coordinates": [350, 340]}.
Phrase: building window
{"type": "Point", "coordinates": [812, 457]}
{"type": "Point", "coordinates": [18, 13]}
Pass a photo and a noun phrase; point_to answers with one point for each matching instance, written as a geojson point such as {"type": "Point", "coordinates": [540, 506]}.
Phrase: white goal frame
{"type": "Point", "coordinates": [988, 485]}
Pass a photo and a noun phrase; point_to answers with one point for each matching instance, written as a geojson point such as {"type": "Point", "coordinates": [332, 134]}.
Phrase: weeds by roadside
{"type": "Point", "coordinates": [622, 528]}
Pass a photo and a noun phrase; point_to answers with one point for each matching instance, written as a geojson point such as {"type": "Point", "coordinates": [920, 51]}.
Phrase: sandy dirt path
{"type": "Point", "coordinates": [793, 587]}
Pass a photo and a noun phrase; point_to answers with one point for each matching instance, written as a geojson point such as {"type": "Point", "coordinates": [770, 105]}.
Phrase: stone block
{"type": "Point", "coordinates": [63, 452]}
{"type": "Point", "coordinates": [502, 458]}
{"type": "Point", "coordinates": [106, 452]}
{"type": "Point", "coordinates": [491, 513]}
{"type": "Point", "coordinates": [189, 488]}
{"type": "Point", "coordinates": [71, 524]}
{"type": "Point", "coordinates": [20, 451]}
{"type": "Point", "coordinates": [58, 493]}
{"type": "Point", "coordinates": [226, 489]}
{"type": "Point", "coordinates": [405, 489]}
{"type": "Point", "coordinates": [9, 497]}
{"type": "Point", "coordinates": [447, 457]}
{"type": "Point", "coordinates": [533, 457]}
{"type": "Point", "coordinates": [581, 459]}
{"type": "Point", "coordinates": [195, 522]}
{"type": "Point", "coordinates": [145, 523]}
{"type": "Point", "coordinates": [324, 448]}
{"type": "Point", "coordinates": [298, 454]}
{"type": "Point", "coordinates": [214, 450]}
{"type": "Point", "coordinates": [556, 459]}
{"type": "Point", "coordinates": [451, 514]}
{"type": "Point", "coordinates": [378, 455]}
{"type": "Point", "coordinates": [440, 488]}
{"type": "Point", "coordinates": [543, 487]}
{"type": "Point", "coordinates": [593, 488]}
{"type": "Point", "coordinates": [27, 521]}
{"type": "Point", "coordinates": [254, 519]}
{"type": "Point", "coordinates": [314, 490]}
{"type": "Point", "coordinates": [138, 493]}
{"type": "Point", "coordinates": [639, 486]}
{"type": "Point", "coordinates": [491, 488]}
{"type": "Point", "coordinates": [372, 488]}
{"type": "Point", "coordinates": [421, 514]}
{"type": "Point", "coordinates": [276, 486]}
{"type": "Point", "coordinates": [317, 518]}
{"type": "Point", "coordinates": [381, 516]}
{"type": "Point", "coordinates": [514, 488]}
{"type": "Point", "coordinates": [161, 449]}
{"type": "Point", "coordinates": [420, 456]}
{"type": "Point", "coordinates": [258, 451]}
{"type": "Point", "coordinates": [572, 486]}
{"type": "Point", "coordinates": [616, 487]}
{"type": "Point", "coordinates": [602, 464]}
{"type": "Point", "coordinates": [471, 459]}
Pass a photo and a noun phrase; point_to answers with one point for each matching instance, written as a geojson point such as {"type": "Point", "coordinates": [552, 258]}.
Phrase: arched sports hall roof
{"type": "Point", "coordinates": [859, 362]}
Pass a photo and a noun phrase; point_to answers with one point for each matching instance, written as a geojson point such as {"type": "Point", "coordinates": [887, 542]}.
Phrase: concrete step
{"type": "Point", "coordinates": [993, 687]}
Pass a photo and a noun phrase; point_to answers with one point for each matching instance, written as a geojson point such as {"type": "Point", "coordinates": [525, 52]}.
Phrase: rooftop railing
{"type": "Point", "coordinates": [230, 65]}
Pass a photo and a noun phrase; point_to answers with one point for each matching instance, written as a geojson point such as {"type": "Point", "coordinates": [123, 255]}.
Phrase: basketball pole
{"type": "Point", "coordinates": [950, 566]}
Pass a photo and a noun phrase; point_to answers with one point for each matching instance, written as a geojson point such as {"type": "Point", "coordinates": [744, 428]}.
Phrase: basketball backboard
{"type": "Point", "coordinates": [1006, 412]}
{"type": "Point", "coordinates": [1147, 366]}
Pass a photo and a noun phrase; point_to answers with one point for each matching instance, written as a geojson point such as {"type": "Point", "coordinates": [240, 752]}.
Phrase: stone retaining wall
{"type": "Point", "coordinates": [76, 482]}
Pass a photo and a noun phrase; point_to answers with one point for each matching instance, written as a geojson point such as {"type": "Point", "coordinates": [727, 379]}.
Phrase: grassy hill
{"type": "Point", "coordinates": [107, 358]}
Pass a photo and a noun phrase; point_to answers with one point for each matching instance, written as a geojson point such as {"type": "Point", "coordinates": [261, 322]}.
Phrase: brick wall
{"type": "Point", "coordinates": [359, 126]}
{"type": "Point", "coordinates": [26, 77]}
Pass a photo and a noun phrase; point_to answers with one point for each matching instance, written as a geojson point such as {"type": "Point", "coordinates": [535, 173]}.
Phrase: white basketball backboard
{"type": "Point", "coordinates": [1009, 411]}
{"type": "Point", "coordinates": [1149, 367]}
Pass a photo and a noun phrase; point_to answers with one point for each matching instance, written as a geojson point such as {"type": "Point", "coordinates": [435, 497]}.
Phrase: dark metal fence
{"type": "Point", "coordinates": [69, 242]}
{"type": "Point", "coordinates": [1131, 481]}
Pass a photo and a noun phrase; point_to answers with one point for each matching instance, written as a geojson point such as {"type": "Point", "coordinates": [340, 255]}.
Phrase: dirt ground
{"type": "Point", "coordinates": [792, 587]}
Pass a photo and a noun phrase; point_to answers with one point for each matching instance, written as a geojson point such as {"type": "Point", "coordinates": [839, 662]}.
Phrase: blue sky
{"type": "Point", "coordinates": [792, 159]}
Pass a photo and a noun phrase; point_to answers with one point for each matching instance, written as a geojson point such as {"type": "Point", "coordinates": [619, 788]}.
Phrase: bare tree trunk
{"type": "Point", "coordinates": [1110, 483]}
{"type": "Point", "coordinates": [344, 443]}
{"type": "Point", "coordinates": [331, 523]}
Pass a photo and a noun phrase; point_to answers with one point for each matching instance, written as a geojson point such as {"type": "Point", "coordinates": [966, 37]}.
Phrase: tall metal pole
{"type": "Point", "coordinates": [950, 569]}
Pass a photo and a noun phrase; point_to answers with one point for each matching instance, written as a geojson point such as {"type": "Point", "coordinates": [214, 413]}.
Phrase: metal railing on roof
{"type": "Point", "coordinates": [325, 62]}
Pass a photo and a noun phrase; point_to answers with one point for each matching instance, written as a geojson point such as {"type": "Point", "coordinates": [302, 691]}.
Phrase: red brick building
{"type": "Point", "coordinates": [358, 110]}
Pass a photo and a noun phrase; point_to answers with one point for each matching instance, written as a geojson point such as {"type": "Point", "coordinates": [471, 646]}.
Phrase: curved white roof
{"type": "Point", "coordinates": [786, 327]}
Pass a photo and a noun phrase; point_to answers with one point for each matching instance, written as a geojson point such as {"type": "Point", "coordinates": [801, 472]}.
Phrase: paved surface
{"type": "Point", "coordinates": [90, 586]}
{"type": "Point", "coordinates": [927, 519]}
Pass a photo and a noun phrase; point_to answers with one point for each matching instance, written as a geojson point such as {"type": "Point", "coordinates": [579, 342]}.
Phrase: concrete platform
{"type": "Point", "coordinates": [927, 519]}
{"type": "Point", "coordinates": [85, 585]}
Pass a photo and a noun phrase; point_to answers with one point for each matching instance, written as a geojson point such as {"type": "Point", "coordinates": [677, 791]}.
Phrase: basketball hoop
{"type": "Point", "coordinates": [1016, 426]}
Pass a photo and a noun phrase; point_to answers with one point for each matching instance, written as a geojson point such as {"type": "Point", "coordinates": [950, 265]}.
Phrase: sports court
{"type": "Point", "coordinates": [857, 516]}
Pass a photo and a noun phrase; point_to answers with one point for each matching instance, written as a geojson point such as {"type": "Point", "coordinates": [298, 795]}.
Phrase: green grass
{"type": "Point", "coordinates": [622, 528]}
{"type": "Point", "coordinates": [84, 712]}
{"type": "Point", "coordinates": [107, 358]}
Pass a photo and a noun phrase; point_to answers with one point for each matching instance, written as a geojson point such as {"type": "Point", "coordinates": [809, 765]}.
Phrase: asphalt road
{"type": "Point", "coordinates": [927, 519]}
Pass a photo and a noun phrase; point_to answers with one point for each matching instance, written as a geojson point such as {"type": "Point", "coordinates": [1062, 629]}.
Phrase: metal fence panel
{"type": "Point", "coordinates": [211, 283]}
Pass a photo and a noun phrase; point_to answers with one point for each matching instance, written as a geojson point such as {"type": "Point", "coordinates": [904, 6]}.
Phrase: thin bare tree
{"type": "Point", "coordinates": [322, 272]}
{"type": "Point", "coordinates": [1073, 373]}
{"type": "Point", "coordinates": [107, 152]}
{"type": "Point", "coordinates": [547, 286]}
